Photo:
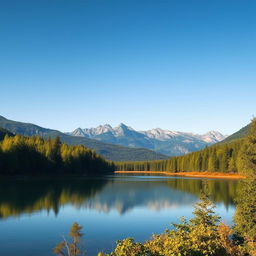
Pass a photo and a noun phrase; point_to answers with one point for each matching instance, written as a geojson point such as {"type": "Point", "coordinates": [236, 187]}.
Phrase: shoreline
{"type": "Point", "coordinates": [215, 175]}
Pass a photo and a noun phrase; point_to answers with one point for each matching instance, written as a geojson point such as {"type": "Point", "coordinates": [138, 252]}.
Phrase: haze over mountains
{"type": "Point", "coordinates": [167, 142]}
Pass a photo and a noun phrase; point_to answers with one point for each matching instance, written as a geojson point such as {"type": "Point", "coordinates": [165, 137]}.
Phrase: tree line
{"type": "Point", "coordinates": [217, 158]}
{"type": "Point", "coordinates": [21, 155]}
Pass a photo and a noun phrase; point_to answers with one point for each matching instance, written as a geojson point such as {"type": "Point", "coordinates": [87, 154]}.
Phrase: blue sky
{"type": "Point", "coordinates": [179, 65]}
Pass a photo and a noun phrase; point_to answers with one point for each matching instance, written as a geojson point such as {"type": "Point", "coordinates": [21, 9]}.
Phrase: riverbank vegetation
{"type": "Point", "coordinates": [20, 155]}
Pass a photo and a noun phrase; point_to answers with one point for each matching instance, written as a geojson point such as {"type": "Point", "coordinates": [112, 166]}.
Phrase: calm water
{"type": "Point", "coordinates": [35, 214]}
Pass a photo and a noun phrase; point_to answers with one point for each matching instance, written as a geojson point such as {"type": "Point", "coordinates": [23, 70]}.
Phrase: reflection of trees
{"type": "Point", "coordinates": [221, 191]}
{"type": "Point", "coordinates": [157, 194]}
{"type": "Point", "coordinates": [120, 194]}
{"type": "Point", "coordinates": [27, 196]}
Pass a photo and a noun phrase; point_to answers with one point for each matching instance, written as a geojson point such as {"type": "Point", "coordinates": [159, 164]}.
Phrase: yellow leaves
{"type": "Point", "coordinates": [59, 248]}
{"type": "Point", "coordinates": [66, 248]}
{"type": "Point", "coordinates": [197, 237]}
{"type": "Point", "coordinates": [128, 247]}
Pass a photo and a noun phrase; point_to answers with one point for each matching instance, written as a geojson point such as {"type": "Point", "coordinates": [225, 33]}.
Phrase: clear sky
{"type": "Point", "coordinates": [175, 64]}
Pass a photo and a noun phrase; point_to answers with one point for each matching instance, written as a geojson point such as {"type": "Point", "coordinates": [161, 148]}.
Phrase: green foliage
{"type": "Point", "coordinates": [245, 216]}
{"type": "Point", "coordinates": [248, 156]}
{"type": "Point", "coordinates": [36, 156]}
{"type": "Point", "coordinates": [204, 213]}
{"type": "Point", "coordinates": [217, 158]}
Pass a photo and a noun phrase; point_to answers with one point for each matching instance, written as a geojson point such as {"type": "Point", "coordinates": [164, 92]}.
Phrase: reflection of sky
{"type": "Point", "coordinates": [119, 210]}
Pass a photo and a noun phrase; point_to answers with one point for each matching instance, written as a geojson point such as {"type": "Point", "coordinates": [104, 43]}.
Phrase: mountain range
{"type": "Point", "coordinates": [109, 151]}
{"type": "Point", "coordinates": [166, 142]}
{"type": "Point", "coordinates": [93, 138]}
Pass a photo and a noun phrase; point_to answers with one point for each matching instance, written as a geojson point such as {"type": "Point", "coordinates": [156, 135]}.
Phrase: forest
{"type": "Point", "coordinates": [21, 155]}
{"type": "Point", "coordinates": [217, 158]}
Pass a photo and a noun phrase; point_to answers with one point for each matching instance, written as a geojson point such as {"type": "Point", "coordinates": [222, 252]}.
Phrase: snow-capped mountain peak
{"type": "Point", "coordinates": [213, 137]}
{"type": "Point", "coordinates": [163, 141]}
{"type": "Point", "coordinates": [160, 134]}
{"type": "Point", "coordinates": [78, 132]}
{"type": "Point", "coordinates": [101, 129]}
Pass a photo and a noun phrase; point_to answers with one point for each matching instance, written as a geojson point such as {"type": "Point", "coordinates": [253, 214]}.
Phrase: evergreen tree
{"type": "Point", "coordinates": [245, 216]}
{"type": "Point", "coordinates": [204, 212]}
{"type": "Point", "coordinates": [21, 155]}
{"type": "Point", "coordinates": [248, 156]}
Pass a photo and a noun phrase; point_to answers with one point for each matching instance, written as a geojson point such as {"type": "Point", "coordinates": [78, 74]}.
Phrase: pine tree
{"type": "Point", "coordinates": [204, 211]}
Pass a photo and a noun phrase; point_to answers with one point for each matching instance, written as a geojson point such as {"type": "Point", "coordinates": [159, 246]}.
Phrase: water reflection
{"type": "Point", "coordinates": [28, 195]}
{"type": "Point", "coordinates": [118, 193]}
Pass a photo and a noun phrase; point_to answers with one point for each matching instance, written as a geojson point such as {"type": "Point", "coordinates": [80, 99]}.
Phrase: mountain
{"type": "Point", "coordinates": [111, 152]}
{"type": "Point", "coordinates": [163, 141]}
{"type": "Point", "coordinates": [26, 129]}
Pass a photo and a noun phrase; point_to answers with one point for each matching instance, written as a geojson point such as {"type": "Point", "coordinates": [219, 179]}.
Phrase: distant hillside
{"type": "Point", "coordinates": [23, 128]}
{"type": "Point", "coordinates": [4, 132]}
{"type": "Point", "coordinates": [171, 143]}
{"type": "Point", "coordinates": [109, 151]}
{"type": "Point", "coordinates": [221, 157]}
{"type": "Point", "coordinates": [238, 135]}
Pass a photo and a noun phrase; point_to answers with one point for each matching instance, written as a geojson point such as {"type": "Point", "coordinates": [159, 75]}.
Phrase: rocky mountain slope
{"type": "Point", "coordinates": [163, 141]}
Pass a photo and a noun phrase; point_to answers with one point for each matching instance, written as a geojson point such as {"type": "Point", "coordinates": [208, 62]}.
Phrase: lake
{"type": "Point", "coordinates": [36, 213]}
